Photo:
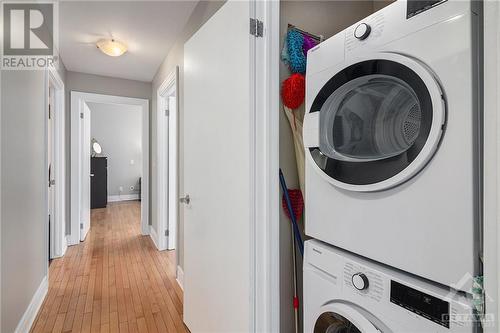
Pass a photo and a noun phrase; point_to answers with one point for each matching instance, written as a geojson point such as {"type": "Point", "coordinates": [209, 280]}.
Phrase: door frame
{"type": "Point", "coordinates": [167, 137]}
{"type": "Point", "coordinates": [265, 245]}
{"type": "Point", "coordinates": [58, 243]}
{"type": "Point", "coordinates": [78, 99]}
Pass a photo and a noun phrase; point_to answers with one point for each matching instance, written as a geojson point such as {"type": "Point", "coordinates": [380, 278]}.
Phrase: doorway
{"type": "Point", "coordinates": [167, 112]}
{"type": "Point", "coordinates": [85, 151]}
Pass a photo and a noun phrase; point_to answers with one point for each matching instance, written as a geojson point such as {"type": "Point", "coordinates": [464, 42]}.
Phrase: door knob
{"type": "Point", "coordinates": [185, 200]}
{"type": "Point", "coordinates": [91, 175]}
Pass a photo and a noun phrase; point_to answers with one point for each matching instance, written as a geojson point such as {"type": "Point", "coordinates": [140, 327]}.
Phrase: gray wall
{"type": "Point", "coordinates": [202, 12]}
{"type": "Point", "coordinates": [23, 192]}
{"type": "Point", "coordinates": [118, 129]}
{"type": "Point", "coordinates": [323, 18]}
{"type": "Point", "coordinates": [97, 84]}
{"type": "Point", "coordinates": [24, 224]}
{"type": "Point", "coordinates": [379, 4]}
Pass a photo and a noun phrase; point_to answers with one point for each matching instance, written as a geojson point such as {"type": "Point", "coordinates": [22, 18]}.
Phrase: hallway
{"type": "Point", "coordinates": [115, 281]}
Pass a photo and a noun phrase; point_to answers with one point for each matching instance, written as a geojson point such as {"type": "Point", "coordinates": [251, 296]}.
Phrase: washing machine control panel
{"type": "Point", "coordinates": [362, 281]}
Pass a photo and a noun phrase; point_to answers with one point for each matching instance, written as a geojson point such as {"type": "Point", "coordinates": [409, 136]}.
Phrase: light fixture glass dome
{"type": "Point", "coordinates": [111, 47]}
{"type": "Point", "coordinates": [96, 147]}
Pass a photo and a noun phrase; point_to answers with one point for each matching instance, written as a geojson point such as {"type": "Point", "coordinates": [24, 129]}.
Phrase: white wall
{"type": "Point", "coordinates": [202, 12]}
{"type": "Point", "coordinates": [118, 129]}
{"type": "Point", "coordinates": [24, 224]}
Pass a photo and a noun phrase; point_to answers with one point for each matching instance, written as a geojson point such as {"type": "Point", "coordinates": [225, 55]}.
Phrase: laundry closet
{"type": "Point", "coordinates": [319, 20]}
{"type": "Point", "coordinates": [368, 163]}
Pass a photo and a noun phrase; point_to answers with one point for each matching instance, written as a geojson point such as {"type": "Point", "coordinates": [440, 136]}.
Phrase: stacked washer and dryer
{"type": "Point", "coordinates": [392, 134]}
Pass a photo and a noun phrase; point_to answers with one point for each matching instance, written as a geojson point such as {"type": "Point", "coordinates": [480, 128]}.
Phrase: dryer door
{"type": "Point", "coordinates": [341, 318]}
{"type": "Point", "coordinates": [376, 123]}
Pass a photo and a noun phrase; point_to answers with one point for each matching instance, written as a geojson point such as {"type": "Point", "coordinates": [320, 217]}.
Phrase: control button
{"type": "Point", "coordinates": [360, 281]}
{"type": "Point", "coordinates": [362, 31]}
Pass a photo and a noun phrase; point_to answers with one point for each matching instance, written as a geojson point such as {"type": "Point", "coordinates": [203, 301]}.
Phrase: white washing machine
{"type": "Point", "coordinates": [392, 139]}
{"type": "Point", "coordinates": [344, 293]}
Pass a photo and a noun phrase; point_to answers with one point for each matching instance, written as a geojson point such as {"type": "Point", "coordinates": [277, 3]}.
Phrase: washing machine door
{"type": "Point", "coordinates": [376, 123]}
{"type": "Point", "coordinates": [341, 318]}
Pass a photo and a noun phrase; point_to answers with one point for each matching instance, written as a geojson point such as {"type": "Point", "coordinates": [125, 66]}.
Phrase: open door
{"type": "Point", "coordinates": [217, 196]}
{"type": "Point", "coordinates": [85, 173]}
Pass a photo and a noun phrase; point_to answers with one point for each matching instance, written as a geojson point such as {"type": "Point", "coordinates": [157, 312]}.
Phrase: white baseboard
{"type": "Point", "coordinates": [123, 197]}
{"type": "Point", "coordinates": [154, 236]}
{"type": "Point", "coordinates": [65, 245]}
{"type": "Point", "coordinates": [62, 251]}
{"type": "Point", "coordinates": [180, 277]}
{"type": "Point", "coordinates": [36, 302]}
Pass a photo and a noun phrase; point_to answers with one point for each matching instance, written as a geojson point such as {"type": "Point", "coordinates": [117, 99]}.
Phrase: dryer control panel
{"type": "Point", "coordinates": [416, 7]}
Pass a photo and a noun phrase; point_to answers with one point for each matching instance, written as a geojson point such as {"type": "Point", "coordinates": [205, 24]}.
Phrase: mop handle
{"type": "Point", "coordinates": [298, 238]}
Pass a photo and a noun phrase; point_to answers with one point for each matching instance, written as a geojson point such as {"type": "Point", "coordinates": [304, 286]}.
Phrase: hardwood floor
{"type": "Point", "coordinates": [115, 281]}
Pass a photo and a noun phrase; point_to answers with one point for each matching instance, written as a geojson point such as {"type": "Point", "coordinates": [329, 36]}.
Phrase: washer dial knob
{"type": "Point", "coordinates": [362, 31]}
{"type": "Point", "coordinates": [360, 281]}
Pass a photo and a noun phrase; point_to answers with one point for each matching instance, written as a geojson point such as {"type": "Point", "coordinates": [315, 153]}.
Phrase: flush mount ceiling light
{"type": "Point", "coordinates": [111, 47]}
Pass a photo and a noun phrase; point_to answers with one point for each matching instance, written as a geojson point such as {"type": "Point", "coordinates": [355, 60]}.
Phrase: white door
{"type": "Point", "coordinates": [217, 118]}
{"type": "Point", "coordinates": [85, 173]}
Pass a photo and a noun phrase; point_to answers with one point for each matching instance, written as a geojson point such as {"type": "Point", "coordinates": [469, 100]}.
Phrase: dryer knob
{"type": "Point", "coordinates": [360, 281]}
{"type": "Point", "coordinates": [362, 31]}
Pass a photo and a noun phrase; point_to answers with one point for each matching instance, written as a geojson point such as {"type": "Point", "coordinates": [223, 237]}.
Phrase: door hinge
{"type": "Point", "coordinates": [166, 233]}
{"type": "Point", "coordinates": [81, 115]}
{"type": "Point", "coordinates": [256, 27]}
{"type": "Point", "coordinates": [166, 113]}
{"type": "Point", "coordinates": [50, 112]}
{"type": "Point", "coordinates": [81, 225]}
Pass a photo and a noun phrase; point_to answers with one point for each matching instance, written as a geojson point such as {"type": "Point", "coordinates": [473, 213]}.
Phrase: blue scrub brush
{"type": "Point", "coordinates": [296, 57]}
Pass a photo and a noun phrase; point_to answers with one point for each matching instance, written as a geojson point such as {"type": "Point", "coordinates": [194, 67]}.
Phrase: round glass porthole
{"type": "Point", "coordinates": [380, 121]}
{"type": "Point", "coordinates": [331, 322]}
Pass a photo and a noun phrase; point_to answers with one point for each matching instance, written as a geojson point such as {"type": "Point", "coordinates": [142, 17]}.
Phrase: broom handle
{"type": "Point", "coordinates": [295, 288]}
{"type": "Point", "coordinates": [298, 238]}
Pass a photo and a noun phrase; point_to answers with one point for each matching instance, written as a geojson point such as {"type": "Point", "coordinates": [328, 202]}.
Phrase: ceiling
{"type": "Point", "coordinates": [148, 28]}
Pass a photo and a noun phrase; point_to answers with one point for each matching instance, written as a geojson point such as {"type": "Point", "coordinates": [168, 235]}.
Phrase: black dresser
{"type": "Point", "coordinates": [99, 182]}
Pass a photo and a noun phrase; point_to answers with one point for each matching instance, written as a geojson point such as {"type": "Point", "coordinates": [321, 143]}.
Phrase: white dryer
{"type": "Point", "coordinates": [392, 139]}
{"type": "Point", "coordinates": [344, 293]}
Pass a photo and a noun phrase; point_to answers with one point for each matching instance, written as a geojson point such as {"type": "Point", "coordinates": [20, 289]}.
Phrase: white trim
{"type": "Point", "coordinates": [167, 162]}
{"type": "Point", "coordinates": [154, 236]}
{"type": "Point", "coordinates": [58, 231]}
{"type": "Point", "coordinates": [180, 277]}
{"type": "Point", "coordinates": [265, 239]}
{"type": "Point", "coordinates": [78, 99]}
{"type": "Point", "coordinates": [123, 197]}
{"type": "Point", "coordinates": [36, 302]}
{"type": "Point", "coordinates": [491, 182]}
